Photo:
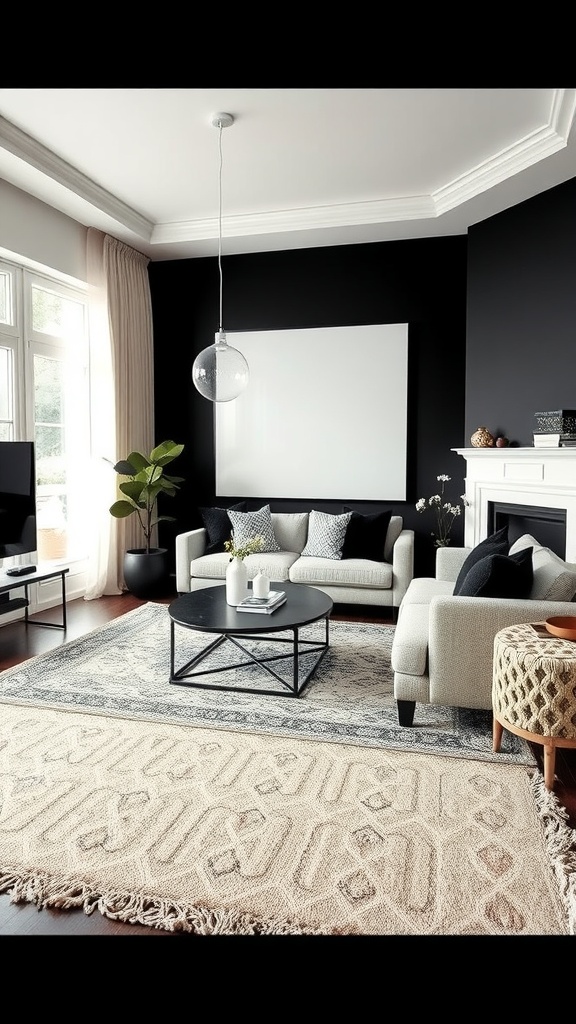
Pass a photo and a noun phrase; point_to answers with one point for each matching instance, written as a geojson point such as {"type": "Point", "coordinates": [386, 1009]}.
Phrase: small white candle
{"type": "Point", "coordinates": [261, 585]}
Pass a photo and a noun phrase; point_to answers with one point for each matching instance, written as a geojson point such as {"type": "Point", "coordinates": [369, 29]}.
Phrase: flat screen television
{"type": "Point", "coordinates": [17, 498]}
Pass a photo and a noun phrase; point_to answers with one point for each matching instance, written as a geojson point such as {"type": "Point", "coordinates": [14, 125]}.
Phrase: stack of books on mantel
{"type": "Point", "coordinates": [263, 605]}
{"type": "Point", "coordinates": [554, 440]}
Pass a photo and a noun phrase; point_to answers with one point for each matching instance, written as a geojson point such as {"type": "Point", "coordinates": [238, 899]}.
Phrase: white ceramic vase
{"type": "Point", "coordinates": [236, 581]}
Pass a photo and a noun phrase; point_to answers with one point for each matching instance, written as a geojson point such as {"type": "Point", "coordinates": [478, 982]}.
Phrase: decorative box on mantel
{"type": "Point", "coordinates": [559, 421]}
{"type": "Point", "coordinates": [537, 477]}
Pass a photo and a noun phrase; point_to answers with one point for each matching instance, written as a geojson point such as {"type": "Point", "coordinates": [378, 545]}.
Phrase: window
{"type": "Point", "coordinates": [10, 350]}
{"type": "Point", "coordinates": [44, 396]}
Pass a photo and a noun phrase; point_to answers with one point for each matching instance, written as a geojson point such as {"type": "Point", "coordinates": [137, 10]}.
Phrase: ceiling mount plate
{"type": "Point", "coordinates": [222, 120]}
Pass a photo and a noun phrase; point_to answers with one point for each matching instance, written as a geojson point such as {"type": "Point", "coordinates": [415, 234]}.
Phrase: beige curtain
{"type": "Point", "coordinates": [122, 396]}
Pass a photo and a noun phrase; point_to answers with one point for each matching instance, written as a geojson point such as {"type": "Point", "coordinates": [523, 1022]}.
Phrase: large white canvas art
{"type": "Point", "coordinates": [324, 416]}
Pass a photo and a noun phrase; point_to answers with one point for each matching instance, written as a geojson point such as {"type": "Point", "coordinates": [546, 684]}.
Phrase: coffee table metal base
{"type": "Point", "coordinates": [186, 676]}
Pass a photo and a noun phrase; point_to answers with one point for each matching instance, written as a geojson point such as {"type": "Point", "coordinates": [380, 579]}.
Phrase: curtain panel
{"type": "Point", "coordinates": [122, 397]}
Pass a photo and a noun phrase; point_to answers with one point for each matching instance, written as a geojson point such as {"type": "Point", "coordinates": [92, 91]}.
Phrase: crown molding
{"type": "Point", "coordinates": [36, 155]}
{"type": "Point", "coordinates": [536, 146]}
{"type": "Point", "coordinates": [528, 151]}
{"type": "Point", "coordinates": [344, 215]}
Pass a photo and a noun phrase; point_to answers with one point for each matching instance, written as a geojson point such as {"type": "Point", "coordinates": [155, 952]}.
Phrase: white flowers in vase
{"type": "Point", "coordinates": [445, 511]}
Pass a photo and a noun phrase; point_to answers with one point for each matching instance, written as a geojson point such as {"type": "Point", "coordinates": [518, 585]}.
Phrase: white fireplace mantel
{"type": "Point", "coordinates": [541, 477]}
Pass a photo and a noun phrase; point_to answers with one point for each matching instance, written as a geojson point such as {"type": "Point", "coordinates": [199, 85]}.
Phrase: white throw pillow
{"type": "Point", "coordinates": [554, 579]}
{"type": "Point", "coordinates": [290, 530]}
{"type": "Point", "coordinates": [326, 534]}
{"type": "Point", "coordinates": [247, 525]}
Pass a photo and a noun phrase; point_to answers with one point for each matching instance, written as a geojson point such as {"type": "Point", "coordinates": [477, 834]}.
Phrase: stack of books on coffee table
{"type": "Point", "coordinates": [264, 605]}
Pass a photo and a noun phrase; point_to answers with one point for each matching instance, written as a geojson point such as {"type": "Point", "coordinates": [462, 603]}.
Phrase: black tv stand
{"type": "Point", "coordinates": [34, 574]}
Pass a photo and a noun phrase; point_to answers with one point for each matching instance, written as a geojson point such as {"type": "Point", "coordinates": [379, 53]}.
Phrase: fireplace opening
{"type": "Point", "coordinates": [547, 525]}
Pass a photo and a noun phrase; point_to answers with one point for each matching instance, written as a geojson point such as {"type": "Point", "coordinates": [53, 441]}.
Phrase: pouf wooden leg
{"type": "Point", "coordinates": [497, 730]}
{"type": "Point", "coordinates": [549, 762]}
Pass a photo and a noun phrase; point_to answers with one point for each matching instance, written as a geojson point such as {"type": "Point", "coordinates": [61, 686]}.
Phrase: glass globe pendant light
{"type": "Point", "coordinates": [220, 372]}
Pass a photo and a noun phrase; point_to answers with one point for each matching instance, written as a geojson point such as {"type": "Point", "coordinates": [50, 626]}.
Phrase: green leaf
{"type": "Point", "coordinates": [121, 509]}
{"type": "Point", "coordinates": [138, 460]}
{"type": "Point", "coordinates": [166, 452]}
{"type": "Point", "coordinates": [132, 489]}
{"type": "Point", "coordinates": [125, 468]}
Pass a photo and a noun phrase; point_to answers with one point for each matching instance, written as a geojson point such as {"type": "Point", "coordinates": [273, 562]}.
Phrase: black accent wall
{"type": "Point", "coordinates": [492, 320]}
{"type": "Point", "coordinates": [521, 320]}
{"type": "Point", "coordinates": [420, 282]}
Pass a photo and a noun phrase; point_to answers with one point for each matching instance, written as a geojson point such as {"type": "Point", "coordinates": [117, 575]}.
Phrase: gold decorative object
{"type": "Point", "coordinates": [482, 438]}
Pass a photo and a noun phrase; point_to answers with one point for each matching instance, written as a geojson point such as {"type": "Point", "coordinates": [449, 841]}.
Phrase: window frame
{"type": "Point", "coordinates": [25, 343]}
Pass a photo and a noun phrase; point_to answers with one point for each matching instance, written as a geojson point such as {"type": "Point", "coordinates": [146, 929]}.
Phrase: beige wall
{"type": "Point", "coordinates": [40, 234]}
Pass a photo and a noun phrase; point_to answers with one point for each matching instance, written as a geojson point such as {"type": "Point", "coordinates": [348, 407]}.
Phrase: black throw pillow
{"type": "Point", "coordinates": [500, 576]}
{"type": "Point", "coordinates": [218, 526]}
{"type": "Point", "coordinates": [366, 535]}
{"type": "Point", "coordinates": [495, 544]}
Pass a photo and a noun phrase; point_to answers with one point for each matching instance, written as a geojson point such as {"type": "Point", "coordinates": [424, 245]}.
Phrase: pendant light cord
{"type": "Point", "coordinates": [220, 221]}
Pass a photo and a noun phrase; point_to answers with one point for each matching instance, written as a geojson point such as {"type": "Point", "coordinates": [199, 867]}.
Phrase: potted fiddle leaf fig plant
{"type": "Point", "coordinates": [146, 569]}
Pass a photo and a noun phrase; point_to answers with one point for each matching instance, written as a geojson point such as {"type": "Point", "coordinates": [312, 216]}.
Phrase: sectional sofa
{"type": "Point", "coordinates": [443, 646]}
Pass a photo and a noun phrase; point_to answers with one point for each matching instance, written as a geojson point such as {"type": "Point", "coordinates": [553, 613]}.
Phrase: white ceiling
{"type": "Point", "coordinates": [300, 167]}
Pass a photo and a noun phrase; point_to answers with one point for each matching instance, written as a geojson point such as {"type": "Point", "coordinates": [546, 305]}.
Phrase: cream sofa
{"type": "Point", "coordinates": [347, 581]}
{"type": "Point", "coordinates": [443, 646]}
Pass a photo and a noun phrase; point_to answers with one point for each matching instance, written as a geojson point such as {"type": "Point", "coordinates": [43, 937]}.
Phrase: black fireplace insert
{"type": "Point", "coordinates": [546, 525]}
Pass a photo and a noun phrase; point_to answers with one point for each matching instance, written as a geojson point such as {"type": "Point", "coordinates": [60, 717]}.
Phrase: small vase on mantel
{"type": "Point", "coordinates": [482, 438]}
{"type": "Point", "coordinates": [236, 581]}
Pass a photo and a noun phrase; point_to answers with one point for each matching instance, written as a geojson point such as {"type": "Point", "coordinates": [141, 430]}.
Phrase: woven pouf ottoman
{"type": "Point", "coordinates": [534, 690]}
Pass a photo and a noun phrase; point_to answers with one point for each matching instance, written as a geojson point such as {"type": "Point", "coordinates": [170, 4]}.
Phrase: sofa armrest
{"type": "Point", "coordinates": [461, 643]}
{"type": "Point", "coordinates": [188, 546]}
{"type": "Point", "coordinates": [402, 565]}
{"type": "Point", "coordinates": [449, 561]}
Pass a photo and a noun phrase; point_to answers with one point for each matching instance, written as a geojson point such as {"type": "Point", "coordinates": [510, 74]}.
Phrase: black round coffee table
{"type": "Point", "coordinates": [206, 611]}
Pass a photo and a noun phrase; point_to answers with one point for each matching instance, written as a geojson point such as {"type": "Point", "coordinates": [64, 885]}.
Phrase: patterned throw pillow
{"type": "Point", "coordinates": [247, 525]}
{"type": "Point", "coordinates": [326, 534]}
{"type": "Point", "coordinates": [218, 526]}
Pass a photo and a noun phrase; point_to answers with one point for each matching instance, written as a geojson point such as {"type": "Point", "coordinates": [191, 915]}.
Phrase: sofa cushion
{"type": "Point", "coordinates": [422, 589]}
{"type": "Point", "coordinates": [495, 544]}
{"type": "Point", "coordinates": [326, 533]}
{"type": "Point", "coordinates": [290, 530]}
{"type": "Point", "coordinates": [247, 525]}
{"type": "Point", "coordinates": [366, 535]}
{"type": "Point", "coordinates": [350, 572]}
{"type": "Point", "coordinates": [274, 564]}
{"type": "Point", "coordinates": [554, 579]}
{"type": "Point", "coordinates": [218, 526]}
{"type": "Point", "coordinates": [503, 576]}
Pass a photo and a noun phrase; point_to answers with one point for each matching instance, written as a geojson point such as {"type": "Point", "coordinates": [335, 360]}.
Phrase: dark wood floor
{"type": "Point", "coordinates": [18, 642]}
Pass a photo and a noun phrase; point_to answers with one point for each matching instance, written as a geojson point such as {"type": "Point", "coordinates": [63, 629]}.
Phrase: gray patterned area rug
{"type": "Point", "coordinates": [123, 669]}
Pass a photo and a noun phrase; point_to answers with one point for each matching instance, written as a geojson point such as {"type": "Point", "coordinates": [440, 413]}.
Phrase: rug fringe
{"type": "Point", "coordinates": [560, 842]}
{"type": "Point", "coordinates": [69, 893]}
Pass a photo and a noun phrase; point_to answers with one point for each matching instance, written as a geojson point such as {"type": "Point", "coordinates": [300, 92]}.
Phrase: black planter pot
{"type": "Point", "coordinates": [147, 573]}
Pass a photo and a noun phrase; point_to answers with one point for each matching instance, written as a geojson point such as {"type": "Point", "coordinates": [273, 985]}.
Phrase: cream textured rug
{"type": "Point", "coordinates": [123, 668]}
{"type": "Point", "coordinates": [221, 832]}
